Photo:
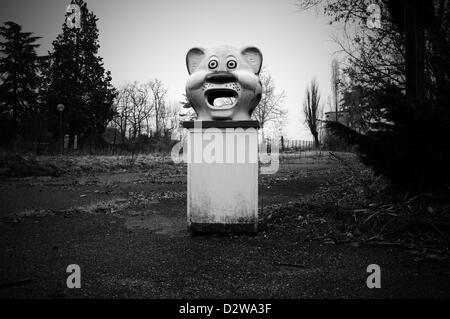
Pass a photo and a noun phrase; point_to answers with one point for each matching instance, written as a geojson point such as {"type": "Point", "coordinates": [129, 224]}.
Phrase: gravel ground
{"type": "Point", "coordinates": [127, 232]}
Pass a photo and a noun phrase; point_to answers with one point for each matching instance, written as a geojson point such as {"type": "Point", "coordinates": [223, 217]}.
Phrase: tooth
{"type": "Point", "coordinates": [224, 101]}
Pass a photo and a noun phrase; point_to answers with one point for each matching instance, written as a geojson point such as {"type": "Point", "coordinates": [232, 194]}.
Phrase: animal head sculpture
{"type": "Point", "coordinates": [223, 82]}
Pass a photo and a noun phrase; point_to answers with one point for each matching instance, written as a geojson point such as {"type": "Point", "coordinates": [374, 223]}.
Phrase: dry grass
{"type": "Point", "coordinates": [116, 206]}
{"type": "Point", "coordinates": [355, 206]}
{"type": "Point", "coordinates": [22, 166]}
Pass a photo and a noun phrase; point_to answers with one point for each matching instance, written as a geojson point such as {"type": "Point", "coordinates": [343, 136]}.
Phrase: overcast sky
{"type": "Point", "coordinates": [145, 39]}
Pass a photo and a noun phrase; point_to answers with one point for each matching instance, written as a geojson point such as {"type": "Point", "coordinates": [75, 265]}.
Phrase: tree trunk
{"type": "Point", "coordinates": [316, 140]}
{"type": "Point", "coordinates": [263, 142]}
{"type": "Point", "coordinates": [414, 44]}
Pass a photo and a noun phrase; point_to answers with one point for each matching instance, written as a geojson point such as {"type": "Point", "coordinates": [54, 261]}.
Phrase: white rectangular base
{"type": "Point", "coordinates": [222, 180]}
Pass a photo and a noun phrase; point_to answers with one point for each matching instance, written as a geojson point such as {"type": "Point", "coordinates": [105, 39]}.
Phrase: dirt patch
{"type": "Point", "coordinates": [20, 166]}
{"type": "Point", "coordinates": [158, 224]}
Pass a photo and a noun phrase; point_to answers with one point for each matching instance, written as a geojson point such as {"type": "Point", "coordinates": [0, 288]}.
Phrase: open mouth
{"type": "Point", "coordinates": [221, 99]}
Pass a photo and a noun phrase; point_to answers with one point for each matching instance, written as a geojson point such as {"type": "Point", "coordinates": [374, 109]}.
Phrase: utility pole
{"type": "Point", "coordinates": [60, 108]}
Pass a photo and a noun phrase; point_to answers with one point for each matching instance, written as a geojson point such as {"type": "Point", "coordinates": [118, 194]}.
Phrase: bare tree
{"type": "Point", "coordinates": [269, 108]}
{"type": "Point", "coordinates": [141, 107]}
{"type": "Point", "coordinates": [159, 93]}
{"type": "Point", "coordinates": [122, 109]}
{"type": "Point", "coordinates": [170, 118]}
{"type": "Point", "coordinates": [312, 109]}
{"type": "Point", "coordinates": [138, 104]}
{"type": "Point", "coordinates": [187, 112]}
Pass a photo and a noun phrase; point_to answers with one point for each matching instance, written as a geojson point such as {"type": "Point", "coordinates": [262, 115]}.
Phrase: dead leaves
{"type": "Point", "coordinates": [353, 207]}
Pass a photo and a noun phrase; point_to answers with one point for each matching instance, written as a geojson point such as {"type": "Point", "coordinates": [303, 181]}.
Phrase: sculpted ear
{"type": "Point", "coordinates": [193, 58]}
{"type": "Point", "coordinates": [253, 57]}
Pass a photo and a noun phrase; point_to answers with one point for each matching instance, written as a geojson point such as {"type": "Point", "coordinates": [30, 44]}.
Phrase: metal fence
{"type": "Point", "coordinates": [296, 145]}
{"type": "Point", "coordinates": [287, 145]}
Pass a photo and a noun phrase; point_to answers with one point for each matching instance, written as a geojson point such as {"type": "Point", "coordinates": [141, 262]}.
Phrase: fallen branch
{"type": "Point", "coordinates": [15, 283]}
{"type": "Point", "coordinates": [289, 265]}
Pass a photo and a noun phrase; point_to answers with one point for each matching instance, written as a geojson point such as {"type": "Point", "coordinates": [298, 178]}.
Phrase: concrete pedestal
{"type": "Point", "coordinates": [222, 176]}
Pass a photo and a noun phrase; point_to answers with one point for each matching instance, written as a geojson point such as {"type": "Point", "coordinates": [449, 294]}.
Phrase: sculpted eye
{"type": "Point", "coordinates": [213, 64]}
{"type": "Point", "coordinates": [231, 64]}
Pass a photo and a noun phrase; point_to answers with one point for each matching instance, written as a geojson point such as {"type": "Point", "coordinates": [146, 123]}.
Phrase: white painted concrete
{"type": "Point", "coordinates": [222, 186]}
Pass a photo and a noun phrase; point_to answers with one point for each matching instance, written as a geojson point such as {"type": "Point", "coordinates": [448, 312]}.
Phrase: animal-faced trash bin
{"type": "Point", "coordinates": [222, 145]}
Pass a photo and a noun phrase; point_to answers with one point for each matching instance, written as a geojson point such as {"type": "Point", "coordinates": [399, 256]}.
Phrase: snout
{"type": "Point", "coordinates": [221, 77]}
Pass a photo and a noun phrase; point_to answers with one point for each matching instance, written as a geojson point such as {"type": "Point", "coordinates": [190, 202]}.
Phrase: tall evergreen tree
{"type": "Point", "coordinates": [77, 78]}
{"type": "Point", "coordinates": [19, 82]}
